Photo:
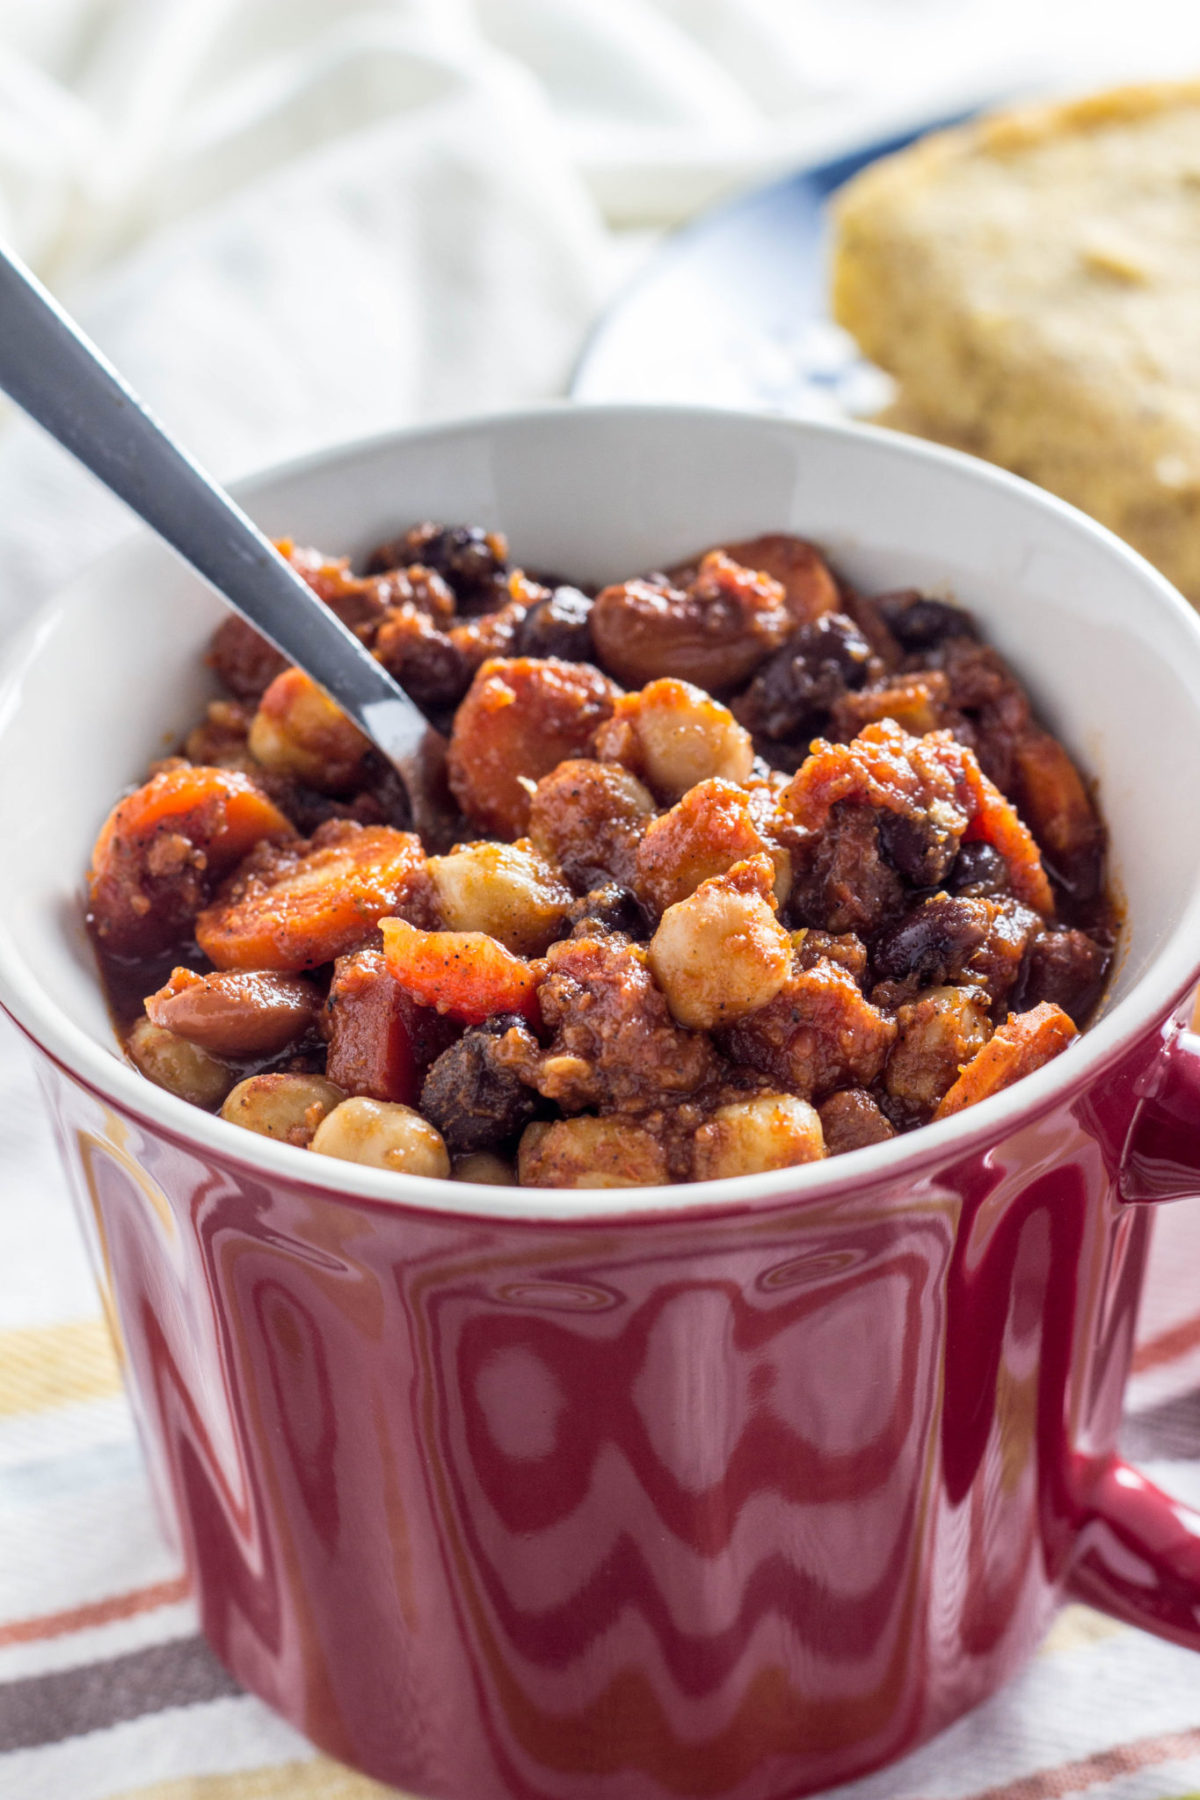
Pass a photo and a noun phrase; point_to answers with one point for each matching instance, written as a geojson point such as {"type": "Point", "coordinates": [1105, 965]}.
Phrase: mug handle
{"type": "Point", "coordinates": [1161, 1155]}
{"type": "Point", "coordinates": [1137, 1552]}
{"type": "Point", "coordinates": [1137, 1555]}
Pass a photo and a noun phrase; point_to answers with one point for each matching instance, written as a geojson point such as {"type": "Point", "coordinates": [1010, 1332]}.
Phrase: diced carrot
{"type": "Point", "coordinates": [1054, 799]}
{"type": "Point", "coordinates": [296, 906]}
{"type": "Point", "coordinates": [381, 1042]}
{"type": "Point", "coordinates": [1022, 1044]}
{"type": "Point", "coordinates": [162, 850]}
{"type": "Point", "coordinates": [464, 973]}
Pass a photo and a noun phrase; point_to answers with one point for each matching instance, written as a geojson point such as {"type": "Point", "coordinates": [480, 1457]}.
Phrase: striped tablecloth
{"type": "Point", "coordinates": [107, 1690]}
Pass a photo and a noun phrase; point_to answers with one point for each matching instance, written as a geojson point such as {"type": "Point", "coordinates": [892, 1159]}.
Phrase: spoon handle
{"type": "Point", "coordinates": [57, 375]}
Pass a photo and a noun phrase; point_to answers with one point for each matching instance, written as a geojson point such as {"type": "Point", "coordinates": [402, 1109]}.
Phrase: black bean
{"type": "Point", "coordinates": [923, 847]}
{"type": "Point", "coordinates": [474, 562]}
{"type": "Point", "coordinates": [473, 1100]}
{"type": "Point", "coordinates": [608, 907]}
{"type": "Point", "coordinates": [918, 622]}
{"type": "Point", "coordinates": [931, 940]}
{"type": "Point", "coordinates": [1066, 967]}
{"type": "Point", "coordinates": [794, 689]}
{"type": "Point", "coordinates": [979, 872]}
{"type": "Point", "coordinates": [558, 626]}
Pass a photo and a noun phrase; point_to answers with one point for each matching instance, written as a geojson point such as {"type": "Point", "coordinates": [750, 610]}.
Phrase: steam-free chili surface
{"type": "Point", "coordinates": [740, 868]}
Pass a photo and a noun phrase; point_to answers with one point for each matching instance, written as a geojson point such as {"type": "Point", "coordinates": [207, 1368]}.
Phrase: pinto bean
{"type": "Point", "coordinates": [238, 1013]}
{"type": "Point", "coordinates": [715, 633]}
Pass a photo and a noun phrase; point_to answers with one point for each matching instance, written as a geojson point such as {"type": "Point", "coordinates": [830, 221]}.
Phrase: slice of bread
{"type": "Point", "coordinates": [1032, 283]}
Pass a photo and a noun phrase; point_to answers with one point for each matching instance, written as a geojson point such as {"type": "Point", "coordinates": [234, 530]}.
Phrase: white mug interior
{"type": "Point", "coordinates": [111, 674]}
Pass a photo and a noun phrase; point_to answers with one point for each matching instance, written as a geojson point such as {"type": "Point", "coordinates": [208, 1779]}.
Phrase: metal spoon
{"type": "Point", "coordinates": [57, 375]}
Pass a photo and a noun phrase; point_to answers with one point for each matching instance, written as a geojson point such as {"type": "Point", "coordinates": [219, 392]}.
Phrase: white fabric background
{"type": "Point", "coordinates": [292, 221]}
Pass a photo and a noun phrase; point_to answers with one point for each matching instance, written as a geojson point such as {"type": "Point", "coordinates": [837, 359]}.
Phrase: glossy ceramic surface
{"type": "Point", "coordinates": [731, 1490]}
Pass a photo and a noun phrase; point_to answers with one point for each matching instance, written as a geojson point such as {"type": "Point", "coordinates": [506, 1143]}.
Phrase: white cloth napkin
{"type": "Point", "coordinates": [292, 221]}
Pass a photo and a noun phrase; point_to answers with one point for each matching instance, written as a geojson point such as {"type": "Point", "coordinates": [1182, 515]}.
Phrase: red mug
{"type": "Point", "coordinates": [739, 1489]}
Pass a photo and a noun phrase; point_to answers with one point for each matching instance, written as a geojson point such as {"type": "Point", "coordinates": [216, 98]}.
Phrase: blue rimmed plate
{"type": "Point", "coordinates": [731, 309]}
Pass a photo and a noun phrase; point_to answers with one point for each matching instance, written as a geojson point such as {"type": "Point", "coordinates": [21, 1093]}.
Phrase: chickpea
{"type": "Point", "coordinates": [715, 632]}
{"type": "Point", "coordinates": [486, 1167]}
{"type": "Point", "coordinates": [590, 1153]}
{"type": "Point", "coordinates": [182, 1068]}
{"type": "Point", "coordinates": [772, 1131]}
{"type": "Point", "coordinates": [506, 890]}
{"type": "Point", "coordinates": [384, 1135]}
{"type": "Point", "coordinates": [284, 1106]}
{"type": "Point", "coordinates": [298, 730]}
{"type": "Point", "coordinates": [681, 735]}
{"type": "Point", "coordinates": [721, 953]}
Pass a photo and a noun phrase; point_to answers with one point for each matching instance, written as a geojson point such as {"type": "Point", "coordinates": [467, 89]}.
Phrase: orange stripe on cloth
{"type": "Point", "coordinates": [43, 1366]}
{"type": "Point", "coordinates": [95, 1612]}
{"type": "Point", "coordinates": [1096, 1771]}
{"type": "Point", "coordinates": [1175, 1342]}
{"type": "Point", "coordinates": [319, 1779]}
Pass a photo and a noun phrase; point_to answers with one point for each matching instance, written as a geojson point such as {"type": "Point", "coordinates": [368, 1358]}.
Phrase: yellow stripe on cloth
{"type": "Point", "coordinates": [319, 1779]}
{"type": "Point", "coordinates": [1078, 1627]}
{"type": "Point", "coordinates": [43, 1366]}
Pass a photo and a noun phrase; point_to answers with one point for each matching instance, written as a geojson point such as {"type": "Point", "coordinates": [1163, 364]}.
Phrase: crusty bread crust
{"type": "Point", "coordinates": [1032, 282]}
